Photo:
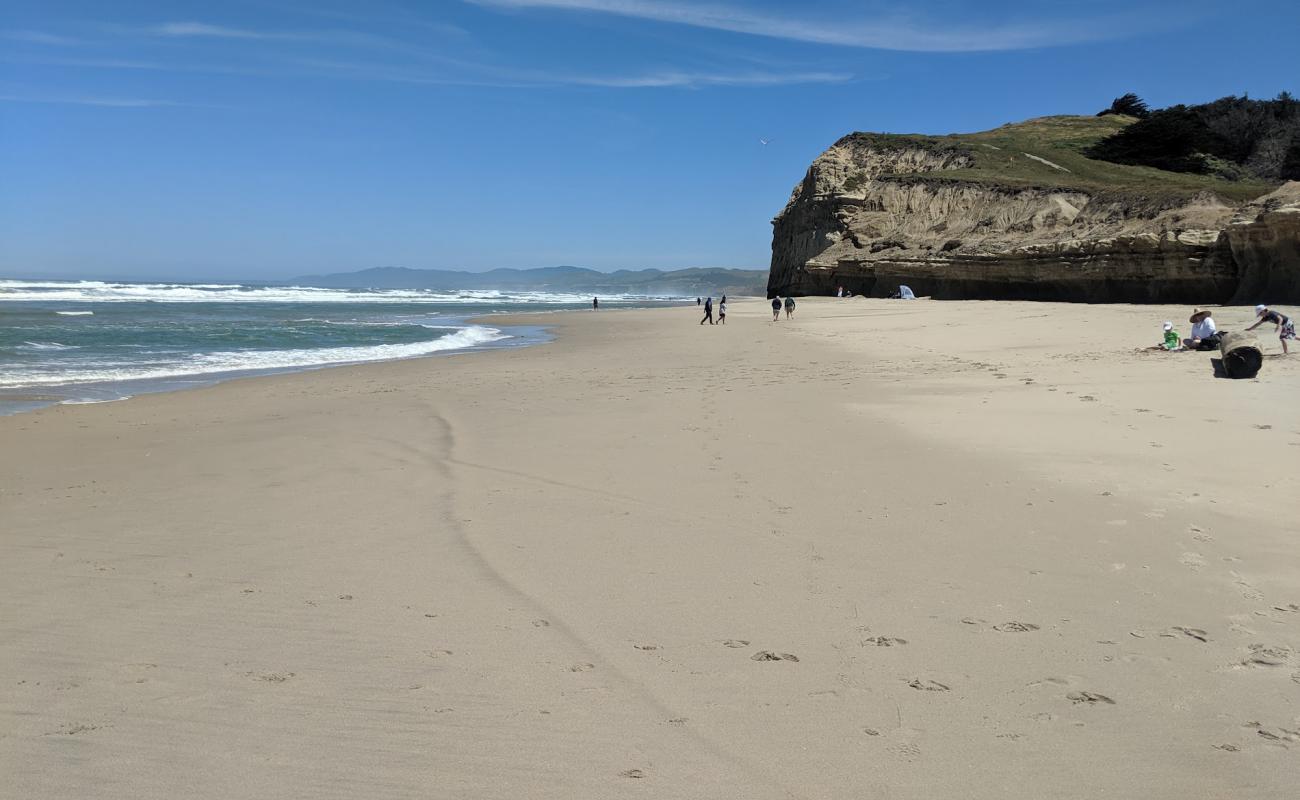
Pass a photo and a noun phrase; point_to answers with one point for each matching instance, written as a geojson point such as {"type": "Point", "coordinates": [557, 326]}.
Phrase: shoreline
{"type": "Point", "coordinates": [1003, 549]}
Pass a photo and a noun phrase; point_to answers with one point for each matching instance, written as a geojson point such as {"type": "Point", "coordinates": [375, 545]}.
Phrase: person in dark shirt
{"type": "Point", "coordinates": [1285, 325]}
{"type": "Point", "coordinates": [776, 308]}
{"type": "Point", "coordinates": [708, 312]}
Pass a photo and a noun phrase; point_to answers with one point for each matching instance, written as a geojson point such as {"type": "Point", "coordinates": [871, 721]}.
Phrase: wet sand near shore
{"type": "Point", "coordinates": [882, 549]}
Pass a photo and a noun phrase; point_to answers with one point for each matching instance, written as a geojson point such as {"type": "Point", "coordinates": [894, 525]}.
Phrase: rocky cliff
{"type": "Point", "coordinates": [1021, 213]}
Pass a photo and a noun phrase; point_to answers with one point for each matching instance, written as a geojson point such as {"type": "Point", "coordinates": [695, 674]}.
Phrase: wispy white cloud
{"type": "Point", "coordinates": [693, 80]}
{"type": "Point", "coordinates": [466, 73]}
{"type": "Point", "coordinates": [445, 71]}
{"type": "Point", "coordinates": [203, 29]}
{"type": "Point", "coordinates": [885, 33]}
{"type": "Point", "coordinates": [38, 37]}
{"type": "Point", "coordinates": [364, 56]}
{"type": "Point", "coordinates": [105, 102]}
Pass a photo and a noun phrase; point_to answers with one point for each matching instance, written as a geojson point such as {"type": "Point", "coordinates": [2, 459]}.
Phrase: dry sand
{"type": "Point", "coordinates": [896, 550]}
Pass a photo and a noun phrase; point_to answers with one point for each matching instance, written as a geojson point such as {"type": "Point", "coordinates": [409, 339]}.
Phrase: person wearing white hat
{"type": "Point", "coordinates": [1285, 325]}
{"type": "Point", "coordinates": [1172, 341]}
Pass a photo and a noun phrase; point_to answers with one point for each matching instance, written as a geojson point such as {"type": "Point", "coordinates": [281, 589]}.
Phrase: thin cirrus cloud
{"type": "Point", "coordinates": [202, 29]}
{"type": "Point", "coordinates": [880, 34]}
{"type": "Point", "coordinates": [102, 102]}
{"type": "Point", "coordinates": [416, 65]}
{"type": "Point", "coordinates": [466, 73]}
{"type": "Point", "coordinates": [38, 37]}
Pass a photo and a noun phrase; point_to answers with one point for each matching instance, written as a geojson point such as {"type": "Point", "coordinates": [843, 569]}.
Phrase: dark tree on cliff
{"type": "Point", "coordinates": [1232, 136]}
{"type": "Point", "coordinates": [1130, 105]}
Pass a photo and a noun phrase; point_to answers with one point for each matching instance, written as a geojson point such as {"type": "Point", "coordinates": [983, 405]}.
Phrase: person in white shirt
{"type": "Point", "coordinates": [1204, 332]}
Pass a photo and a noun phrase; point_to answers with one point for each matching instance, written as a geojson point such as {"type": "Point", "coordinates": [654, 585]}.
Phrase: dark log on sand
{"type": "Point", "coordinates": [1242, 357]}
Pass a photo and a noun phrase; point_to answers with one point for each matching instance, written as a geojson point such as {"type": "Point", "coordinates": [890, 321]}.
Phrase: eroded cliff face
{"type": "Point", "coordinates": [1265, 242]}
{"type": "Point", "coordinates": [869, 216]}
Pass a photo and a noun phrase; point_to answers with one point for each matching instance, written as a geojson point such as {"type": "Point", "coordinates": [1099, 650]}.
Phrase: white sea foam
{"type": "Point", "coordinates": [106, 292]}
{"type": "Point", "coordinates": [73, 313]}
{"type": "Point", "coordinates": [251, 360]}
{"type": "Point", "coordinates": [46, 346]}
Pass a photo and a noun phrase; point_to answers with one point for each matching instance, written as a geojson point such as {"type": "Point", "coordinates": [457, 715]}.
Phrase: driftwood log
{"type": "Point", "coordinates": [1242, 356]}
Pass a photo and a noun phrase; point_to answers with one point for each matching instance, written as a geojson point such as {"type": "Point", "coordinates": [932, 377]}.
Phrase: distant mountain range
{"type": "Point", "coordinates": [680, 282]}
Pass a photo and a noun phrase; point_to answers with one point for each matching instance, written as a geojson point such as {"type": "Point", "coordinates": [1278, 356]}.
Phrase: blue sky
{"type": "Point", "coordinates": [261, 140]}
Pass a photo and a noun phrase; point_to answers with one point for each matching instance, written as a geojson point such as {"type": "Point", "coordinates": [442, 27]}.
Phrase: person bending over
{"type": "Point", "coordinates": [1285, 325]}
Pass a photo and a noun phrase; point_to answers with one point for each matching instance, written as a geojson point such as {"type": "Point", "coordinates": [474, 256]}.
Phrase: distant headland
{"type": "Point", "coordinates": [648, 282]}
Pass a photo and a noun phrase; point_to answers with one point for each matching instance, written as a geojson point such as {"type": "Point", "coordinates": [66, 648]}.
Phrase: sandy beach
{"type": "Point", "coordinates": [883, 549]}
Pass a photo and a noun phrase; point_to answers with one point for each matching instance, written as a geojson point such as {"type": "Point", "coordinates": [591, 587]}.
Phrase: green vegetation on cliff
{"type": "Point", "coordinates": [1232, 137]}
{"type": "Point", "coordinates": [1051, 153]}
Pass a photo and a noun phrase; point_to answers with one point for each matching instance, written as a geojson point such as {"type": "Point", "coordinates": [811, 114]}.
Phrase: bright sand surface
{"type": "Point", "coordinates": [1013, 555]}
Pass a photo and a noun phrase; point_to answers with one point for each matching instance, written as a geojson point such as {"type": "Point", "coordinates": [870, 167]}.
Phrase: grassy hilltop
{"type": "Point", "coordinates": [1001, 157]}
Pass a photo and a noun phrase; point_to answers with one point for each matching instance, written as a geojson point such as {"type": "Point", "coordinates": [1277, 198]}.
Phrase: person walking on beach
{"type": "Point", "coordinates": [697, 301]}
{"type": "Point", "coordinates": [708, 312]}
{"type": "Point", "coordinates": [722, 310]}
{"type": "Point", "coordinates": [1285, 325]}
{"type": "Point", "coordinates": [776, 308]}
{"type": "Point", "coordinates": [595, 304]}
{"type": "Point", "coordinates": [789, 307]}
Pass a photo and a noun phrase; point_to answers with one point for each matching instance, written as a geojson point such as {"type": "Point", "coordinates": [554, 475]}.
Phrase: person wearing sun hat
{"type": "Point", "coordinates": [1285, 325]}
{"type": "Point", "coordinates": [1204, 334]}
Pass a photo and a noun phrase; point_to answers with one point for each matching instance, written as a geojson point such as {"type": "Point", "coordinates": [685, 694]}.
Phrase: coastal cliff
{"type": "Point", "coordinates": [1021, 213]}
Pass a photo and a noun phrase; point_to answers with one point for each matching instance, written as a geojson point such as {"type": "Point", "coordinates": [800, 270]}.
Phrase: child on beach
{"type": "Point", "coordinates": [1285, 325]}
{"type": "Point", "coordinates": [1172, 342]}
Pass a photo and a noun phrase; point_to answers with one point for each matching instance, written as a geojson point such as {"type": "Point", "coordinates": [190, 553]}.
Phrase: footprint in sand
{"type": "Point", "coordinates": [906, 751]}
{"type": "Point", "coordinates": [768, 655]}
{"type": "Point", "coordinates": [735, 643]}
{"type": "Point", "coordinates": [1278, 735]}
{"type": "Point", "coordinates": [882, 641]}
{"type": "Point", "coordinates": [632, 773]}
{"type": "Point", "coordinates": [646, 646]}
{"type": "Point", "coordinates": [270, 677]}
{"type": "Point", "coordinates": [1090, 698]}
{"type": "Point", "coordinates": [1248, 591]}
{"type": "Point", "coordinates": [1193, 633]}
{"type": "Point", "coordinates": [583, 667]}
{"type": "Point", "coordinates": [1015, 627]}
{"type": "Point", "coordinates": [541, 623]}
{"type": "Point", "coordinates": [925, 685]}
{"type": "Point", "coordinates": [74, 729]}
{"type": "Point", "coordinates": [1265, 656]}
{"type": "Point", "coordinates": [1192, 560]}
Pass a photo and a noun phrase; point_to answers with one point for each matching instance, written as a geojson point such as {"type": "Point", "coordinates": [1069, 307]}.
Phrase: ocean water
{"type": "Point", "coordinates": [92, 341]}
